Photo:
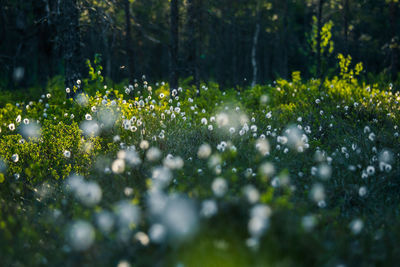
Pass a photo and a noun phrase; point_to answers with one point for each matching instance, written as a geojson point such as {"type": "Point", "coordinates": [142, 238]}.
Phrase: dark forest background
{"type": "Point", "coordinates": [232, 42]}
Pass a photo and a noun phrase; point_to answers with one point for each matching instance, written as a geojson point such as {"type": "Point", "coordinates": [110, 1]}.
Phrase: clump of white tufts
{"type": "Point", "coordinates": [173, 163]}
{"type": "Point", "coordinates": [296, 139]}
{"type": "Point", "coordinates": [107, 117]}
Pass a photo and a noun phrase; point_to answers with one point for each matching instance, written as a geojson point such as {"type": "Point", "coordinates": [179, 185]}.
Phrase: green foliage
{"type": "Point", "coordinates": [95, 81]}
{"type": "Point", "coordinates": [43, 159]}
{"type": "Point", "coordinates": [327, 44]}
{"type": "Point", "coordinates": [344, 125]}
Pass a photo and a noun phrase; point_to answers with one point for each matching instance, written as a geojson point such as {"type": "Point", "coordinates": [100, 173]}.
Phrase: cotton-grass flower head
{"type": "Point", "coordinates": [214, 161]}
{"type": "Point", "coordinates": [362, 191]}
{"type": "Point", "coordinates": [208, 208]}
{"type": "Point", "coordinates": [73, 182]}
{"type": "Point", "coordinates": [90, 128]}
{"type": "Point", "coordinates": [118, 166]}
{"type": "Point", "coordinates": [370, 170]}
{"type": "Point", "coordinates": [179, 217]}
{"type": "Point", "coordinates": [88, 193]}
{"type": "Point", "coordinates": [127, 214]}
{"type": "Point", "coordinates": [11, 126]}
{"type": "Point", "coordinates": [222, 119]}
{"type": "Point", "coordinates": [161, 176]}
{"type": "Point", "coordinates": [204, 151]}
{"type": "Point", "coordinates": [132, 158]}
{"type": "Point", "coordinates": [308, 222]}
{"type": "Point", "coordinates": [264, 99]}
{"type": "Point", "coordinates": [82, 99]}
{"type": "Point", "coordinates": [107, 116]}
{"type": "Point", "coordinates": [123, 263]}
{"type": "Point", "coordinates": [157, 233]}
{"type": "Point", "coordinates": [142, 238]}
{"type": "Point", "coordinates": [153, 154]}
{"type": "Point", "coordinates": [173, 163]}
{"type": "Point", "coordinates": [385, 156]}
{"type": "Point", "coordinates": [263, 147]}
{"type": "Point", "coordinates": [80, 235]}
{"type": "Point", "coordinates": [67, 153]}
{"type": "Point", "coordinates": [251, 193]}
{"type": "Point", "coordinates": [324, 171]}
{"type": "Point", "coordinates": [88, 117]}
{"type": "Point", "coordinates": [219, 187]}
{"type": "Point", "coordinates": [30, 130]}
{"type": "Point", "coordinates": [317, 193]}
{"type": "Point", "coordinates": [15, 158]}
{"type": "Point", "coordinates": [105, 221]}
{"type": "Point", "coordinates": [144, 144]}
{"type": "Point", "coordinates": [259, 220]}
{"type": "Point", "coordinates": [356, 226]}
{"type": "Point", "coordinates": [296, 139]}
{"type": "Point", "coordinates": [371, 137]}
{"type": "Point", "coordinates": [267, 170]}
{"type": "Point", "coordinates": [248, 172]}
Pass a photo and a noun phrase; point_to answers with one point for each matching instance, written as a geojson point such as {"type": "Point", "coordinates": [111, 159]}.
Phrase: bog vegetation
{"type": "Point", "coordinates": [294, 173]}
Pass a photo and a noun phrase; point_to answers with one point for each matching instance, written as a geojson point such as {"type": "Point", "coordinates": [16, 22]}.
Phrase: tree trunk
{"type": "Point", "coordinates": [174, 48]}
{"type": "Point", "coordinates": [71, 44]}
{"type": "Point", "coordinates": [346, 25]}
{"type": "Point", "coordinates": [285, 39]}
{"type": "Point", "coordinates": [192, 31]}
{"type": "Point", "coordinates": [319, 27]}
{"type": "Point", "coordinates": [394, 43]}
{"type": "Point", "coordinates": [128, 41]}
{"type": "Point", "coordinates": [254, 52]}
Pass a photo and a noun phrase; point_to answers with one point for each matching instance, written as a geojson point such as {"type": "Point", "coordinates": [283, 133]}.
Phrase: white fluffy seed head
{"type": "Point", "coordinates": [204, 151]}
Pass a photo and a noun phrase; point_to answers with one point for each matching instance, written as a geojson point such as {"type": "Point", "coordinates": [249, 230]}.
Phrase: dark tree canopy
{"type": "Point", "coordinates": [206, 39]}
